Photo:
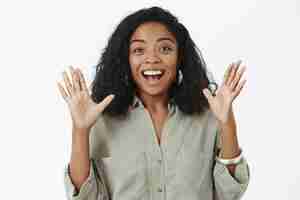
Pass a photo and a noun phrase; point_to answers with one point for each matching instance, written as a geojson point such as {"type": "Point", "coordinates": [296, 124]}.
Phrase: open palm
{"type": "Point", "coordinates": [231, 86]}
{"type": "Point", "coordinates": [84, 111]}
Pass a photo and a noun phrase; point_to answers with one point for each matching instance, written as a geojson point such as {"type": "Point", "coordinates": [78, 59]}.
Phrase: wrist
{"type": "Point", "coordinates": [228, 120]}
{"type": "Point", "coordinates": [80, 131]}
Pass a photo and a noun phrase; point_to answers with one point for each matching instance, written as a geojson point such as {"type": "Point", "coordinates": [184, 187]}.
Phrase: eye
{"type": "Point", "coordinates": [138, 50]}
{"type": "Point", "coordinates": [166, 49]}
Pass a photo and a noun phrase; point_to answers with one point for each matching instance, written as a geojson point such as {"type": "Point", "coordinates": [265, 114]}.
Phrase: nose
{"type": "Point", "coordinates": [152, 57]}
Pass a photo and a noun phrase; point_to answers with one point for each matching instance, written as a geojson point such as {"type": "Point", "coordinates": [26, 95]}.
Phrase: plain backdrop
{"type": "Point", "coordinates": [39, 39]}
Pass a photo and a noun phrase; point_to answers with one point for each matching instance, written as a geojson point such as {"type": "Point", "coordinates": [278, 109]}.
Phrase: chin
{"type": "Point", "coordinates": [154, 91]}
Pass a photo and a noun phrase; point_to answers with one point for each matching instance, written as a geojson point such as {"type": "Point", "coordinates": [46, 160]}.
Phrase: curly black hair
{"type": "Point", "coordinates": [113, 72]}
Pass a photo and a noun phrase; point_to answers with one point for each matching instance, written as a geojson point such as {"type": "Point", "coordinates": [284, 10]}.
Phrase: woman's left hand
{"type": "Point", "coordinates": [221, 102]}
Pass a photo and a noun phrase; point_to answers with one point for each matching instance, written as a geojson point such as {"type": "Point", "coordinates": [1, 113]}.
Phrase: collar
{"type": "Point", "coordinates": [138, 103]}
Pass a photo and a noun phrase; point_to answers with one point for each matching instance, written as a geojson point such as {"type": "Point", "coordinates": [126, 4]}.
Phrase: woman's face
{"type": "Point", "coordinates": [153, 58]}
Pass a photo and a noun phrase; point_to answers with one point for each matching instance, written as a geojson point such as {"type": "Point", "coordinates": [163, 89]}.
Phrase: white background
{"type": "Point", "coordinates": [39, 39]}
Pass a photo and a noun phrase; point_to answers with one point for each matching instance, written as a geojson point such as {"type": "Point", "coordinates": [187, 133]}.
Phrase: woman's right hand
{"type": "Point", "coordinates": [84, 111]}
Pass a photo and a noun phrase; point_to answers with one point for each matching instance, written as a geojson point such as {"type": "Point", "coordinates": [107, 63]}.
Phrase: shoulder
{"type": "Point", "coordinates": [206, 118]}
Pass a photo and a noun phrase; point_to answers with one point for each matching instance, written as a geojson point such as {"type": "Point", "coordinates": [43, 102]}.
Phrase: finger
{"type": "Point", "coordinates": [82, 81]}
{"type": "Point", "coordinates": [67, 83]}
{"type": "Point", "coordinates": [238, 78]}
{"type": "Point", "coordinates": [227, 72]}
{"type": "Point", "coordinates": [62, 91]}
{"type": "Point", "coordinates": [239, 88]}
{"type": "Point", "coordinates": [75, 82]}
{"type": "Point", "coordinates": [233, 72]}
{"type": "Point", "coordinates": [231, 75]}
{"type": "Point", "coordinates": [77, 76]}
{"type": "Point", "coordinates": [207, 94]}
{"type": "Point", "coordinates": [104, 103]}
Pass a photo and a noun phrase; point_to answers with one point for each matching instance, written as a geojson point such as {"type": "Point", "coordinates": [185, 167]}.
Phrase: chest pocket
{"type": "Point", "coordinates": [127, 172]}
{"type": "Point", "coordinates": [192, 169]}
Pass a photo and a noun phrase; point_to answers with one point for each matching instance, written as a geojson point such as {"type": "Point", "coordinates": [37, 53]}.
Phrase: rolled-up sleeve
{"type": "Point", "coordinates": [226, 186]}
{"type": "Point", "coordinates": [93, 187]}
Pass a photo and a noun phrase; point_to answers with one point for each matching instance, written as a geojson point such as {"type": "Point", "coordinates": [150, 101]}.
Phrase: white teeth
{"type": "Point", "coordinates": [152, 72]}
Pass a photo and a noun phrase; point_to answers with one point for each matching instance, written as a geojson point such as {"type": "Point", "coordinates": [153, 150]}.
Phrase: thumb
{"type": "Point", "coordinates": [207, 94]}
{"type": "Point", "coordinates": [105, 102]}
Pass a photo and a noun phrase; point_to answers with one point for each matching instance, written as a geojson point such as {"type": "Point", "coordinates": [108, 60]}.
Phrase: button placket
{"type": "Point", "coordinates": [159, 189]}
{"type": "Point", "coordinates": [157, 155]}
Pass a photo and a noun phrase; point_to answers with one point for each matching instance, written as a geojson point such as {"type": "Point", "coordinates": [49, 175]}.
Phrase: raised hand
{"type": "Point", "coordinates": [84, 111]}
{"type": "Point", "coordinates": [221, 102]}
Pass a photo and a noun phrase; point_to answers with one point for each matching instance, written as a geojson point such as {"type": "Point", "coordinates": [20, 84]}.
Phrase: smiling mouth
{"type": "Point", "coordinates": [153, 78]}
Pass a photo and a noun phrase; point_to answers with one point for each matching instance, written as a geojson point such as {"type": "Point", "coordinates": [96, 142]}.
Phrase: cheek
{"type": "Point", "coordinates": [171, 75]}
{"type": "Point", "coordinates": [134, 64]}
{"type": "Point", "coordinates": [172, 63]}
{"type": "Point", "coordinates": [172, 70]}
{"type": "Point", "coordinates": [133, 61]}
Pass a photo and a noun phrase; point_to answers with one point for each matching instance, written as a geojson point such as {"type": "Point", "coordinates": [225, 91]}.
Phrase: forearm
{"type": "Point", "coordinates": [229, 141]}
{"type": "Point", "coordinates": [79, 162]}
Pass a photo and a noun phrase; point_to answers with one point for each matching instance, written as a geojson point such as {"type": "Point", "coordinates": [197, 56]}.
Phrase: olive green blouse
{"type": "Point", "coordinates": [127, 163]}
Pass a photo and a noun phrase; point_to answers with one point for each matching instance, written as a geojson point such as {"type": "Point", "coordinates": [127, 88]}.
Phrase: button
{"type": "Point", "coordinates": [159, 190]}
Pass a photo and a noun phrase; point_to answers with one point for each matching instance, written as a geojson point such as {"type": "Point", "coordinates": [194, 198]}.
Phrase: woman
{"type": "Point", "coordinates": [152, 128]}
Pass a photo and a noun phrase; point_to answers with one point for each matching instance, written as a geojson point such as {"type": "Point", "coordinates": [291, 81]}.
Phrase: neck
{"type": "Point", "coordinates": [155, 104]}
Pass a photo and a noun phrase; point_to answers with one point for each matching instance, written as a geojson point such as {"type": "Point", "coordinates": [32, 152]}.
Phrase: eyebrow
{"type": "Point", "coordinates": [158, 40]}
